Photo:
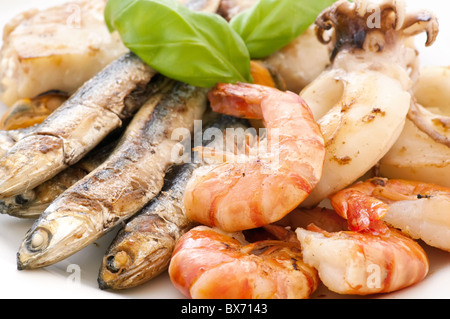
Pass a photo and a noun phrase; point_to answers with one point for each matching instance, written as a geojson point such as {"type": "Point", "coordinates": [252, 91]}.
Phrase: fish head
{"type": "Point", "coordinates": [135, 257]}
{"type": "Point", "coordinates": [54, 237]}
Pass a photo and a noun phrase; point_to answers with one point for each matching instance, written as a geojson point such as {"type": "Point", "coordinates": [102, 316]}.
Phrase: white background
{"type": "Point", "coordinates": [54, 281]}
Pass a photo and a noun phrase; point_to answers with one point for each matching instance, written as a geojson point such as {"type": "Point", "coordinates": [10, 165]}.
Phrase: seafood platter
{"type": "Point", "coordinates": [225, 149]}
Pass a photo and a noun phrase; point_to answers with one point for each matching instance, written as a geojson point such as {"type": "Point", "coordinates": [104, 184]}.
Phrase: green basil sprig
{"type": "Point", "coordinates": [270, 25]}
{"type": "Point", "coordinates": [194, 47]}
{"type": "Point", "coordinates": [203, 49]}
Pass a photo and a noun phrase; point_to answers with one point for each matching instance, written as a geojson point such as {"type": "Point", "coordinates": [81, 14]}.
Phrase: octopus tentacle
{"type": "Point", "coordinates": [352, 23]}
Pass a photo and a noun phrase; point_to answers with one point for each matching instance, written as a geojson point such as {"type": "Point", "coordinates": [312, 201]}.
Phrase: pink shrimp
{"type": "Point", "coordinates": [209, 263]}
{"type": "Point", "coordinates": [422, 210]}
{"type": "Point", "coordinates": [357, 263]}
{"type": "Point", "coordinates": [261, 188]}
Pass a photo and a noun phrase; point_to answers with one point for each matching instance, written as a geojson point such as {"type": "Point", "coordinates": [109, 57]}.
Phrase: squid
{"type": "Point", "coordinates": [422, 152]}
{"type": "Point", "coordinates": [362, 100]}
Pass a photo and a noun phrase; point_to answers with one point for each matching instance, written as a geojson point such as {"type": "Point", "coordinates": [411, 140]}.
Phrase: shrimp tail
{"type": "Point", "coordinates": [209, 263]}
{"type": "Point", "coordinates": [361, 210]}
{"type": "Point", "coordinates": [237, 100]}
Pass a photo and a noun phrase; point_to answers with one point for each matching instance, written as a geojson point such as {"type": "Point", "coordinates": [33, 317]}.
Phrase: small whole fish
{"type": "Point", "coordinates": [142, 249]}
{"type": "Point", "coordinates": [77, 126]}
{"type": "Point", "coordinates": [122, 185]}
{"type": "Point", "coordinates": [8, 138]}
{"type": "Point", "coordinates": [33, 202]}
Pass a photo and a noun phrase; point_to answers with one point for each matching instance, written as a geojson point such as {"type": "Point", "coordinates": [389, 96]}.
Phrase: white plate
{"type": "Point", "coordinates": [57, 281]}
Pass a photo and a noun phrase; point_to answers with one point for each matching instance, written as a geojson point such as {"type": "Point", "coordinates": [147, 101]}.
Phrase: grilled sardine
{"type": "Point", "coordinates": [142, 248]}
{"type": "Point", "coordinates": [121, 186]}
{"type": "Point", "coordinates": [8, 138]}
{"type": "Point", "coordinates": [33, 202]}
{"type": "Point", "coordinates": [77, 126]}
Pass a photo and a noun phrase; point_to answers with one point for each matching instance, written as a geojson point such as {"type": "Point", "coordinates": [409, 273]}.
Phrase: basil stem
{"type": "Point", "coordinates": [197, 48]}
{"type": "Point", "coordinates": [270, 25]}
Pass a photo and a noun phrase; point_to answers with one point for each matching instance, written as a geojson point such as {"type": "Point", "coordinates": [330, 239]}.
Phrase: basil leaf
{"type": "Point", "coordinates": [197, 48]}
{"type": "Point", "coordinates": [270, 25]}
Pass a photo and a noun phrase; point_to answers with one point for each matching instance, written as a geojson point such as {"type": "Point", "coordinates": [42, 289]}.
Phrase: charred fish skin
{"type": "Point", "coordinates": [142, 249]}
{"type": "Point", "coordinates": [8, 138]}
{"type": "Point", "coordinates": [131, 176]}
{"type": "Point", "coordinates": [33, 202]}
{"type": "Point", "coordinates": [78, 125]}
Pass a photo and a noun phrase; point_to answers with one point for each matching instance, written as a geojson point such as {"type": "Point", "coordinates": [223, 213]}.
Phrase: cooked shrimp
{"type": "Point", "coordinates": [421, 210]}
{"type": "Point", "coordinates": [208, 263]}
{"type": "Point", "coordinates": [357, 263]}
{"type": "Point", "coordinates": [261, 187]}
{"type": "Point", "coordinates": [350, 262]}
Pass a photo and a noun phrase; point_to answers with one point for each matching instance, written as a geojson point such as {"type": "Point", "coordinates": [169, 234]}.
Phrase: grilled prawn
{"type": "Point", "coordinates": [362, 100]}
{"type": "Point", "coordinates": [356, 263]}
{"type": "Point", "coordinates": [421, 210]}
{"type": "Point", "coordinates": [275, 175]}
{"type": "Point", "coordinates": [208, 263]}
{"type": "Point", "coordinates": [129, 178]}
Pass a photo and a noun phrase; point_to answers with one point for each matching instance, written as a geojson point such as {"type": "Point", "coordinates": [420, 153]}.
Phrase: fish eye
{"type": "Point", "coordinates": [116, 262]}
{"type": "Point", "coordinates": [20, 200]}
{"type": "Point", "coordinates": [110, 264]}
{"type": "Point", "coordinates": [38, 239]}
{"type": "Point", "coordinates": [25, 197]}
